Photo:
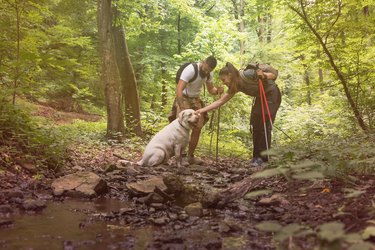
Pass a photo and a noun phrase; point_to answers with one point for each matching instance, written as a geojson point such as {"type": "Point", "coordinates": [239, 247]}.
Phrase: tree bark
{"type": "Point", "coordinates": [109, 72]}
{"type": "Point", "coordinates": [333, 64]}
{"type": "Point", "coordinates": [179, 33]}
{"type": "Point", "coordinates": [307, 82]}
{"type": "Point", "coordinates": [238, 15]}
{"type": "Point", "coordinates": [128, 82]}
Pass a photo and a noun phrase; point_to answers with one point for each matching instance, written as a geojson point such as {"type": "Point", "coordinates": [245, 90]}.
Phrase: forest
{"type": "Point", "coordinates": [85, 85]}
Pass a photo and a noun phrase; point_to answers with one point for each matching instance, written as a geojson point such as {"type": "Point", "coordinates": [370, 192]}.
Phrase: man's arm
{"type": "Point", "coordinates": [180, 88]}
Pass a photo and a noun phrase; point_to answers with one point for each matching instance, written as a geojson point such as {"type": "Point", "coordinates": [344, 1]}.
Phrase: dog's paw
{"type": "Point", "coordinates": [125, 163]}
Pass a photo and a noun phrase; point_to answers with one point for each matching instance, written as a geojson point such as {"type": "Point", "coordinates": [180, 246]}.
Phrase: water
{"type": "Point", "coordinates": [66, 226]}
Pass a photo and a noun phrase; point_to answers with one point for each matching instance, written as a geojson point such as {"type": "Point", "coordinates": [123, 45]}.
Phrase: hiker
{"type": "Point", "coordinates": [246, 81]}
{"type": "Point", "coordinates": [190, 79]}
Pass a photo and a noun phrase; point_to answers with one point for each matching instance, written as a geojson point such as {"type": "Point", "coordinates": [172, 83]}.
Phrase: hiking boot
{"type": "Point", "coordinates": [256, 162]}
{"type": "Point", "coordinates": [192, 160]}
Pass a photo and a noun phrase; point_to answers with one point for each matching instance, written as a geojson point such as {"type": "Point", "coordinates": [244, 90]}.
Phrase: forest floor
{"type": "Point", "coordinates": [303, 205]}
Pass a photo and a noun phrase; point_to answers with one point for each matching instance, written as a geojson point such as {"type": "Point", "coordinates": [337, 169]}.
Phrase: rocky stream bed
{"type": "Point", "coordinates": [118, 206]}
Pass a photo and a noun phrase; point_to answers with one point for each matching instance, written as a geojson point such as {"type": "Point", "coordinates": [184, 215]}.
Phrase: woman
{"type": "Point", "coordinates": [240, 81]}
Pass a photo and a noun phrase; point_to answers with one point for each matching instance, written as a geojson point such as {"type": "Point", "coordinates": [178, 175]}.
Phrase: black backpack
{"type": "Point", "coordinates": [182, 67]}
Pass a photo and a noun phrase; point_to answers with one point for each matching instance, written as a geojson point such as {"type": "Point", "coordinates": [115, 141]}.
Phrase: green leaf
{"type": "Point", "coordinates": [331, 231]}
{"type": "Point", "coordinates": [352, 193]}
{"type": "Point", "coordinates": [368, 232]}
{"type": "Point", "coordinates": [288, 231]}
{"type": "Point", "coordinates": [305, 164]}
{"type": "Point", "coordinates": [309, 175]}
{"type": "Point", "coordinates": [254, 194]}
{"type": "Point", "coordinates": [269, 226]}
{"type": "Point", "coordinates": [266, 173]}
{"type": "Point", "coordinates": [362, 246]}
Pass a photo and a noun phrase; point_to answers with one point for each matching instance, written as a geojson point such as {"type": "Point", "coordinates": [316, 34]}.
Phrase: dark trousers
{"type": "Point", "coordinates": [259, 139]}
{"type": "Point", "coordinates": [259, 129]}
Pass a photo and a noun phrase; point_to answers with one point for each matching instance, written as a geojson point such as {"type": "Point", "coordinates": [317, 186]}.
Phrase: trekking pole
{"type": "Point", "coordinates": [218, 132]}
{"type": "Point", "coordinates": [217, 135]}
{"type": "Point", "coordinates": [263, 100]}
{"type": "Point", "coordinates": [211, 130]}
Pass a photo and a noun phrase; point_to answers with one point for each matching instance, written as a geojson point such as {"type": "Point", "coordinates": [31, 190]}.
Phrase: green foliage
{"type": "Point", "coordinates": [330, 235]}
{"type": "Point", "coordinates": [334, 157]}
{"type": "Point", "coordinates": [21, 135]}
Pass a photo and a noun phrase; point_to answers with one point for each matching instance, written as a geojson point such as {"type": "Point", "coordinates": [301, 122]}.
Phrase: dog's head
{"type": "Point", "coordinates": [188, 118]}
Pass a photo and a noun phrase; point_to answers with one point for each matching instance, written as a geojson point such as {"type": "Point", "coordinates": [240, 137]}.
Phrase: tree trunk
{"type": "Point", "coordinates": [269, 28]}
{"type": "Point", "coordinates": [128, 82]}
{"type": "Point", "coordinates": [333, 64]}
{"type": "Point", "coordinates": [179, 33]}
{"type": "Point", "coordinates": [163, 85]}
{"type": "Point", "coordinates": [242, 29]}
{"type": "Point", "coordinates": [109, 71]}
{"type": "Point", "coordinates": [307, 81]}
{"type": "Point", "coordinates": [163, 70]}
{"type": "Point", "coordinates": [238, 15]}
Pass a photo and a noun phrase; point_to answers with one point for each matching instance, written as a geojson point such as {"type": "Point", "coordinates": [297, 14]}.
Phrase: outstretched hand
{"type": "Point", "coordinates": [220, 90]}
{"type": "Point", "coordinates": [261, 74]}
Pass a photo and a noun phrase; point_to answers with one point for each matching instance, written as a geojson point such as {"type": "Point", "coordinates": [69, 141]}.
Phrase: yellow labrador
{"type": "Point", "coordinates": [171, 140]}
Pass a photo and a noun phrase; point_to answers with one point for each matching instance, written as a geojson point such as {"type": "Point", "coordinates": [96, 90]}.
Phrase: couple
{"type": "Point", "coordinates": [188, 97]}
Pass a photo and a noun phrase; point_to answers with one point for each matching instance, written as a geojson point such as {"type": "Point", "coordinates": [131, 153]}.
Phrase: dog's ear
{"type": "Point", "coordinates": [181, 115]}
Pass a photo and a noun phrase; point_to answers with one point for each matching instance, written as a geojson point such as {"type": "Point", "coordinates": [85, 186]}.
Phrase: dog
{"type": "Point", "coordinates": [171, 140]}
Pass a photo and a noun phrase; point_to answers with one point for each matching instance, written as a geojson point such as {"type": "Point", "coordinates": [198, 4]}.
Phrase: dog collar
{"type": "Point", "coordinates": [183, 126]}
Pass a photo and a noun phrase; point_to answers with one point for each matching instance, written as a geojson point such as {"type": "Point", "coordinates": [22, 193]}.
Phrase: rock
{"type": "Point", "coordinates": [110, 168]}
{"type": "Point", "coordinates": [194, 209]}
{"type": "Point", "coordinates": [31, 204]}
{"type": "Point", "coordinates": [126, 210]}
{"type": "Point", "coordinates": [157, 205]}
{"type": "Point", "coordinates": [15, 194]}
{"type": "Point", "coordinates": [274, 200]}
{"type": "Point", "coordinates": [82, 184]}
{"type": "Point", "coordinates": [160, 221]}
{"type": "Point", "coordinates": [5, 222]}
{"type": "Point", "coordinates": [174, 184]}
{"type": "Point", "coordinates": [151, 198]}
{"type": "Point", "coordinates": [29, 166]}
{"type": "Point", "coordinates": [147, 186]}
{"type": "Point", "coordinates": [183, 216]}
{"type": "Point", "coordinates": [5, 209]}
{"type": "Point", "coordinates": [210, 198]}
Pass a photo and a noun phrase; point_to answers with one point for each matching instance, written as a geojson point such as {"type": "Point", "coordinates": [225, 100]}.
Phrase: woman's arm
{"type": "Point", "coordinates": [226, 97]}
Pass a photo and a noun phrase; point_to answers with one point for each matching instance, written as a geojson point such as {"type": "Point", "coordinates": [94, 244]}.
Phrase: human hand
{"type": "Point", "coordinates": [219, 90]}
{"type": "Point", "coordinates": [261, 74]}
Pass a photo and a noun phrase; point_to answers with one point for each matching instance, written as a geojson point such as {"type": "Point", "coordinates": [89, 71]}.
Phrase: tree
{"type": "Point", "coordinates": [109, 71]}
{"type": "Point", "coordinates": [128, 80]}
{"type": "Point", "coordinates": [323, 36]}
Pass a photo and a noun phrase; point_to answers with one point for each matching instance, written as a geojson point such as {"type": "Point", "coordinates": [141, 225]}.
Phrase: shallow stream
{"type": "Point", "coordinates": [67, 225]}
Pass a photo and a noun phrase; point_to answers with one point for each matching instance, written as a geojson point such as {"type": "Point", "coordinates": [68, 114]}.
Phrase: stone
{"type": "Point", "coordinates": [81, 184]}
{"type": "Point", "coordinates": [31, 204]}
{"type": "Point", "coordinates": [194, 209]}
{"type": "Point", "coordinates": [147, 186]}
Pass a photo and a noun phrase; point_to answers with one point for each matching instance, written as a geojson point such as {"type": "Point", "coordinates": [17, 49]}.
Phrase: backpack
{"type": "Point", "coordinates": [183, 66]}
{"type": "Point", "coordinates": [249, 76]}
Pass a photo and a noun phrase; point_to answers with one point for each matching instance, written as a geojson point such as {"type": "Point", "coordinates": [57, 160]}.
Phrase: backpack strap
{"type": "Point", "coordinates": [195, 66]}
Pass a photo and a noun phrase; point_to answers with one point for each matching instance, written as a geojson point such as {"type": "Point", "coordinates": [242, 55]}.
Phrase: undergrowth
{"type": "Point", "coordinates": [23, 138]}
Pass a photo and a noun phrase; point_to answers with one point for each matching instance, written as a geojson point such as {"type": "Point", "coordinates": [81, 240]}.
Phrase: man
{"type": "Point", "coordinates": [188, 96]}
